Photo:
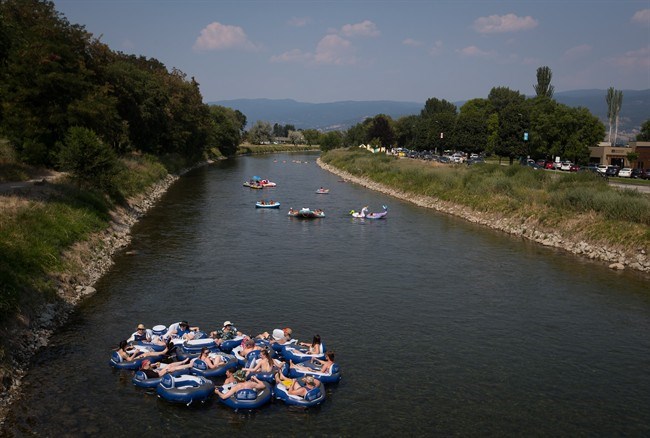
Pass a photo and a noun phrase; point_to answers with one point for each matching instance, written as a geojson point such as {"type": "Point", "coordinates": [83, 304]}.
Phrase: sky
{"type": "Point", "coordinates": [404, 50]}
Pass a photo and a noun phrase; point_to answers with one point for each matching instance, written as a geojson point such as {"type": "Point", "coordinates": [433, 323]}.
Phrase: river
{"type": "Point", "coordinates": [441, 327]}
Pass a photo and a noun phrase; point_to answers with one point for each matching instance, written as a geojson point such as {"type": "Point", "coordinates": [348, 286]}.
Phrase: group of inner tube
{"type": "Point", "coordinates": [186, 365]}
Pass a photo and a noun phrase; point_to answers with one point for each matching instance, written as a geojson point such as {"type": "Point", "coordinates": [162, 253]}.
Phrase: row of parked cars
{"type": "Point", "coordinates": [626, 172]}
{"type": "Point", "coordinates": [603, 169]}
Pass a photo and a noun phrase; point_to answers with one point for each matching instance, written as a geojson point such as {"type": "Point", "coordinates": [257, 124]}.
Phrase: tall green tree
{"type": "Point", "coordinates": [544, 87]}
{"type": "Point", "coordinates": [380, 127]}
{"type": "Point", "coordinates": [614, 101]}
{"type": "Point", "coordinates": [91, 163]}
{"type": "Point", "coordinates": [331, 140]}
{"type": "Point", "coordinates": [311, 136]}
{"type": "Point", "coordinates": [513, 120]}
{"type": "Point", "coordinates": [644, 134]}
{"type": "Point", "coordinates": [260, 132]}
{"type": "Point", "coordinates": [472, 126]}
{"type": "Point", "coordinates": [225, 132]}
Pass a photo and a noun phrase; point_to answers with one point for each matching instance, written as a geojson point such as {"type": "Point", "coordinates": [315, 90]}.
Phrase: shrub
{"type": "Point", "coordinates": [92, 163]}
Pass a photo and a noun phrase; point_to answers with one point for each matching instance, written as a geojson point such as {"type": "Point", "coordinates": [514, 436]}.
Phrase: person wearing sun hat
{"type": "Point", "coordinates": [181, 330]}
{"type": "Point", "coordinates": [225, 333]}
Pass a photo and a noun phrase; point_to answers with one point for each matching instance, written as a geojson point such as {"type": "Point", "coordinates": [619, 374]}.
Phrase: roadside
{"type": "Point", "coordinates": [638, 187]}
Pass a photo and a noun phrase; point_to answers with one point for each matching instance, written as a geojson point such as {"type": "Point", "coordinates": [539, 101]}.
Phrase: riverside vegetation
{"type": "Point", "coordinates": [578, 212]}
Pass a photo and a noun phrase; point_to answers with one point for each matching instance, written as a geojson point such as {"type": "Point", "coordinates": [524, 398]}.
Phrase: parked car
{"type": "Point", "coordinates": [611, 171]}
{"type": "Point", "coordinates": [533, 165]}
{"type": "Point", "coordinates": [637, 173]}
{"type": "Point", "coordinates": [589, 168]}
{"type": "Point", "coordinates": [566, 166]}
{"type": "Point", "coordinates": [549, 165]}
{"type": "Point", "coordinates": [602, 168]}
{"type": "Point", "coordinates": [625, 172]}
{"type": "Point", "coordinates": [646, 174]}
{"type": "Point", "coordinates": [574, 168]}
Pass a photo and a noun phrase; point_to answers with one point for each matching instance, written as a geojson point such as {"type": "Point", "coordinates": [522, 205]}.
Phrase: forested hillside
{"type": "Point", "coordinates": [58, 82]}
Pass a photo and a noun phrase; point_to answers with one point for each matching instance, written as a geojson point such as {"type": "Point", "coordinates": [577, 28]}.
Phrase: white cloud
{"type": "Point", "coordinates": [642, 17]}
{"type": "Point", "coordinates": [633, 59]}
{"type": "Point", "coordinates": [411, 42]}
{"type": "Point", "coordinates": [577, 51]}
{"type": "Point", "coordinates": [333, 49]}
{"type": "Point", "coordinates": [504, 23]}
{"type": "Point", "coordinates": [365, 28]}
{"type": "Point", "coordinates": [299, 21]}
{"type": "Point", "coordinates": [295, 55]}
{"type": "Point", "coordinates": [217, 36]}
{"type": "Point", "coordinates": [436, 49]}
{"type": "Point", "coordinates": [473, 51]}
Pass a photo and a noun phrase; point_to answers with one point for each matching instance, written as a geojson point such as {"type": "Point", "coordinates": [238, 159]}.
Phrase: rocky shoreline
{"type": "Point", "coordinates": [615, 259]}
{"type": "Point", "coordinates": [94, 258]}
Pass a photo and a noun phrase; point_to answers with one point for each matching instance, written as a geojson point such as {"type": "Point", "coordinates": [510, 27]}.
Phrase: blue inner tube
{"type": "Point", "coordinates": [141, 380]}
{"type": "Point", "coordinates": [117, 362]}
{"type": "Point", "coordinates": [314, 397]}
{"type": "Point", "coordinates": [200, 368]}
{"type": "Point", "coordinates": [299, 354]}
{"type": "Point", "coordinates": [185, 389]}
{"type": "Point", "coordinates": [249, 398]}
{"type": "Point", "coordinates": [333, 376]}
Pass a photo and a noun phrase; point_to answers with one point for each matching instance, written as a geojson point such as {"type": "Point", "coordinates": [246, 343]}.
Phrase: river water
{"type": "Point", "coordinates": [440, 327]}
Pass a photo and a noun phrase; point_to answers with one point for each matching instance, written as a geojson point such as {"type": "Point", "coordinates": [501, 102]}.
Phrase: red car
{"type": "Point", "coordinates": [549, 165]}
{"type": "Point", "coordinates": [574, 168]}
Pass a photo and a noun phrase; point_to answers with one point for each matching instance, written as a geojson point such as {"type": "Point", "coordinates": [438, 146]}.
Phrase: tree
{"type": "Point", "coordinates": [331, 140]}
{"type": "Point", "coordinates": [260, 132]}
{"type": "Point", "coordinates": [311, 136]}
{"type": "Point", "coordinates": [296, 137]}
{"type": "Point", "coordinates": [380, 127]}
{"type": "Point", "coordinates": [355, 135]}
{"type": "Point", "coordinates": [91, 162]}
{"type": "Point", "coordinates": [614, 101]}
{"type": "Point", "coordinates": [472, 126]}
{"type": "Point", "coordinates": [644, 135]}
{"type": "Point", "coordinates": [513, 120]}
{"type": "Point", "coordinates": [544, 87]}
{"type": "Point", "coordinates": [225, 133]}
{"type": "Point", "coordinates": [618, 104]}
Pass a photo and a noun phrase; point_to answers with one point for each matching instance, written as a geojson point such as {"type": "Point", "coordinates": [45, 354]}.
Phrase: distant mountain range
{"type": "Point", "coordinates": [341, 115]}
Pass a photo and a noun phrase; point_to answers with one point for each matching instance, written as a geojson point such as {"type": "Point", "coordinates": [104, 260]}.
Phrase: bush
{"type": "Point", "coordinates": [89, 161]}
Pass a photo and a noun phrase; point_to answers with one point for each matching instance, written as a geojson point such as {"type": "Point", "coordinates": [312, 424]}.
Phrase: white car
{"type": "Point", "coordinates": [625, 172]}
{"type": "Point", "coordinates": [566, 165]}
{"type": "Point", "coordinates": [602, 168]}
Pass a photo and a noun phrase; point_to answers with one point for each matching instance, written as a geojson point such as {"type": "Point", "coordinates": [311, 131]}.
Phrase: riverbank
{"type": "Point", "coordinates": [86, 261]}
{"type": "Point", "coordinates": [616, 258]}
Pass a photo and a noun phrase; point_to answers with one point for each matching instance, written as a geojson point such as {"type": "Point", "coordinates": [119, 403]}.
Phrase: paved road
{"type": "Point", "coordinates": [640, 188]}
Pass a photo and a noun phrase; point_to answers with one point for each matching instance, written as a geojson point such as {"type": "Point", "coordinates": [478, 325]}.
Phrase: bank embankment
{"type": "Point", "coordinates": [77, 269]}
{"type": "Point", "coordinates": [617, 257]}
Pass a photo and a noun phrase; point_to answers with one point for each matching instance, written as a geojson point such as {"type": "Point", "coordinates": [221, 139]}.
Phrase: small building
{"type": "Point", "coordinates": [642, 149]}
{"type": "Point", "coordinates": [607, 154]}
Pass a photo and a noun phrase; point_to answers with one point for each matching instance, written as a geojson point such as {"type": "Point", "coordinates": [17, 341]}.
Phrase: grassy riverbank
{"type": "Point", "coordinates": [39, 222]}
{"type": "Point", "coordinates": [251, 149]}
{"type": "Point", "coordinates": [580, 205]}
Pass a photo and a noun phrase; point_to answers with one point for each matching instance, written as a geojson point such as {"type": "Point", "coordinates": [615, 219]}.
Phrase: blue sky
{"type": "Point", "coordinates": [410, 50]}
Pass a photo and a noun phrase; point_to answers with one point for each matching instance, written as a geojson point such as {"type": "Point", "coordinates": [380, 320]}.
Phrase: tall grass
{"type": "Point", "coordinates": [35, 233]}
{"type": "Point", "coordinates": [33, 237]}
{"type": "Point", "coordinates": [520, 191]}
